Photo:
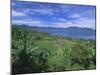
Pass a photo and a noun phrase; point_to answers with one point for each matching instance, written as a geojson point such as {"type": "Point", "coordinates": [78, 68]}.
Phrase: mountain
{"type": "Point", "coordinates": [80, 31]}
{"type": "Point", "coordinates": [73, 32]}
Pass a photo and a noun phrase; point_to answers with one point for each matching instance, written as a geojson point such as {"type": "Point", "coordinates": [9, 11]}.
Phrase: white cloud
{"type": "Point", "coordinates": [17, 13]}
{"type": "Point", "coordinates": [62, 19]}
{"type": "Point", "coordinates": [28, 11]}
{"type": "Point", "coordinates": [29, 22]}
{"type": "Point", "coordinates": [79, 22]}
{"type": "Point", "coordinates": [44, 11]}
{"type": "Point", "coordinates": [62, 25]}
{"type": "Point", "coordinates": [59, 19]}
{"type": "Point", "coordinates": [85, 22]}
{"type": "Point", "coordinates": [75, 16]}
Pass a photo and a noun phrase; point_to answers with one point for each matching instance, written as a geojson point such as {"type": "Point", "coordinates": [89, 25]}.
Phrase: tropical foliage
{"type": "Point", "coordinates": [35, 52]}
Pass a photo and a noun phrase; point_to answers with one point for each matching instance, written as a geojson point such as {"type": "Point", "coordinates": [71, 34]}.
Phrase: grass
{"type": "Point", "coordinates": [36, 52]}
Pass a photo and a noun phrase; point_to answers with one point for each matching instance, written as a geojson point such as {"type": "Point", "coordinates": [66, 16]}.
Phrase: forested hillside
{"type": "Point", "coordinates": [35, 52]}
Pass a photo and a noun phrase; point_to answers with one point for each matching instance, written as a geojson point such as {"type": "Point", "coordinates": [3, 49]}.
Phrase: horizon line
{"type": "Point", "coordinates": [53, 26]}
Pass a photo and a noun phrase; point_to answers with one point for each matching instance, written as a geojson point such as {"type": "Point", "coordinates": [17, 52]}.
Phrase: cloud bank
{"type": "Point", "coordinates": [53, 15]}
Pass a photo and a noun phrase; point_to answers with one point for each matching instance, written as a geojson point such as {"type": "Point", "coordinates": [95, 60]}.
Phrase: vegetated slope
{"type": "Point", "coordinates": [35, 52]}
{"type": "Point", "coordinates": [73, 32]}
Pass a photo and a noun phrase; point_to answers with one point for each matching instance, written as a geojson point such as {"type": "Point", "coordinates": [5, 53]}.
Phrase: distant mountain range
{"type": "Point", "coordinates": [80, 31]}
{"type": "Point", "coordinates": [75, 32]}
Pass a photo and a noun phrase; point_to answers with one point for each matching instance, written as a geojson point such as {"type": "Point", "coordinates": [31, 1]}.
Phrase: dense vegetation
{"type": "Point", "coordinates": [35, 52]}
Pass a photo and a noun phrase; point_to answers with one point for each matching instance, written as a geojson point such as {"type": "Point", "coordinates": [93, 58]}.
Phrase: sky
{"type": "Point", "coordinates": [53, 14]}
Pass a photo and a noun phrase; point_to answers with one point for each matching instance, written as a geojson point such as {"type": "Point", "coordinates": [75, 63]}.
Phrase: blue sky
{"type": "Point", "coordinates": [53, 15]}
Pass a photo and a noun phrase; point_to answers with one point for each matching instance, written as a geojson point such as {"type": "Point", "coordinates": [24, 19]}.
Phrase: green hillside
{"type": "Point", "coordinates": [36, 52]}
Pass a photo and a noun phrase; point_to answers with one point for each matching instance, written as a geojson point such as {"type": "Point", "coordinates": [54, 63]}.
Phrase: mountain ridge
{"type": "Point", "coordinates": [73, 32]}
{"type": "Point", "coordinates": [71, 27]}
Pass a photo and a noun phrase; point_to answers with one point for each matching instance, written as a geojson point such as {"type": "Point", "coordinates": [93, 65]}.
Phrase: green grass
{"type": "Point", "coordinates": [36, 52]}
